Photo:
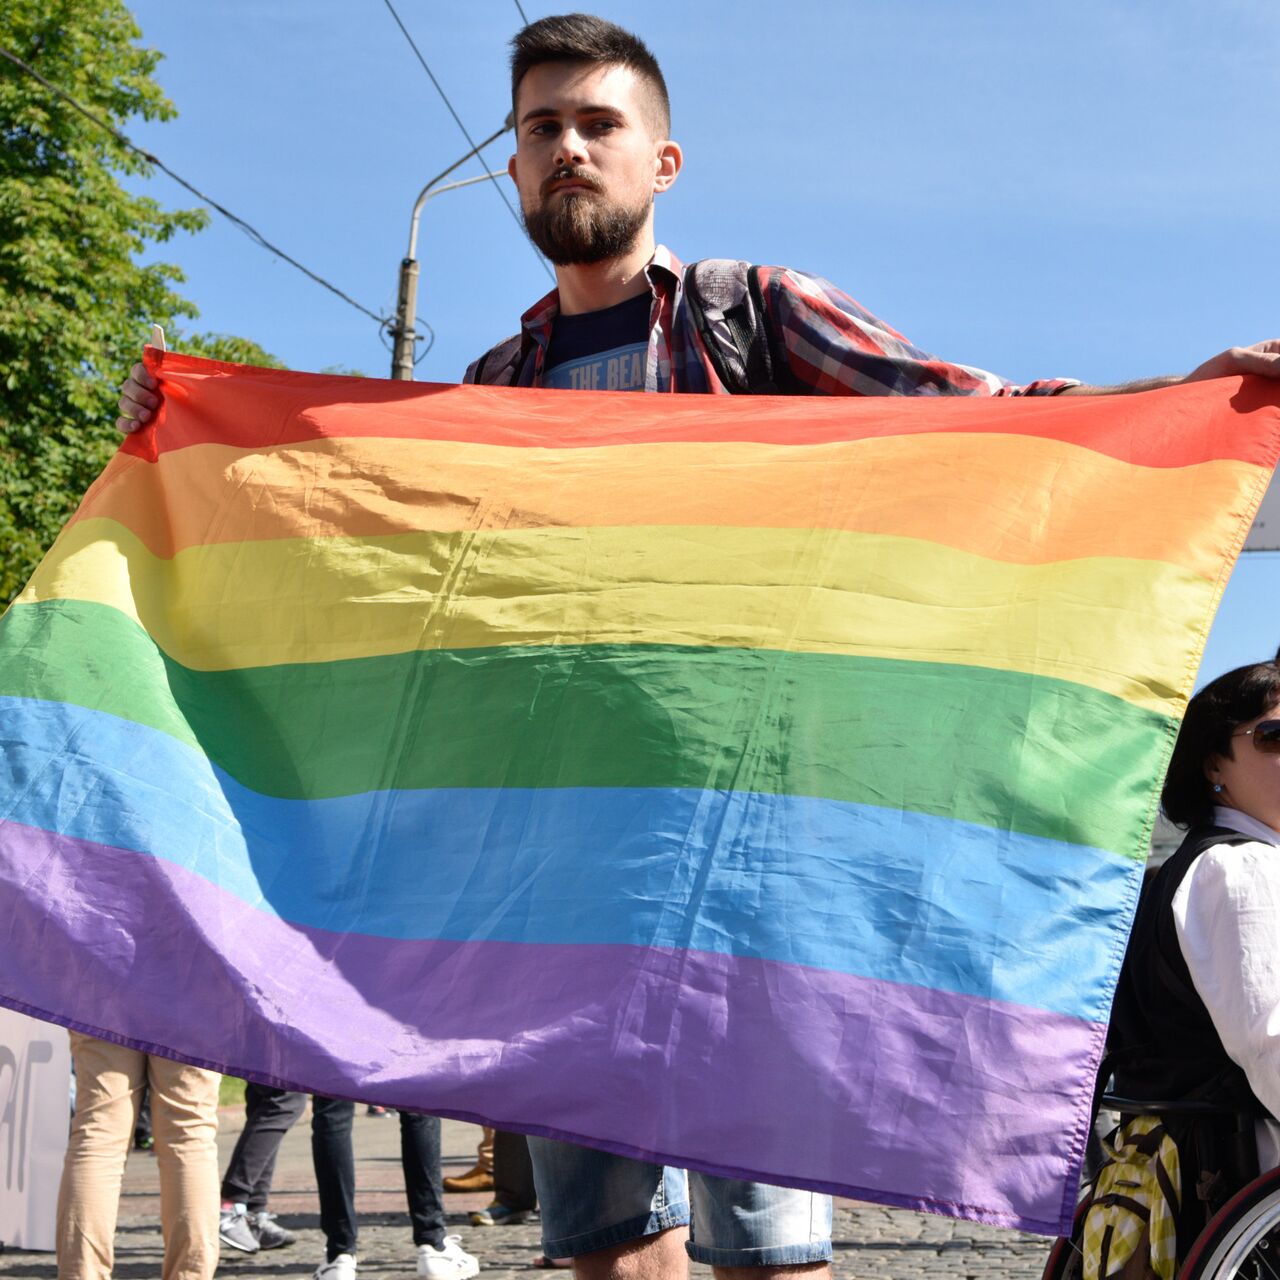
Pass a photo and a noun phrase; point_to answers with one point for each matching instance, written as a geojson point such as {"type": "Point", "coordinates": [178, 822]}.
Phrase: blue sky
{"type": "Point", "coordinates": [1084, 188]}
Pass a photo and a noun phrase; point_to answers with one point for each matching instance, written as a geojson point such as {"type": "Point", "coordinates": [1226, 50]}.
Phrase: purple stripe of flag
{"type": "Point", "coordinates": [975, 1103]}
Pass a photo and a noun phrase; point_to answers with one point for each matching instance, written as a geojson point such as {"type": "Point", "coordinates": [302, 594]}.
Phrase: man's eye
{"type": "Point", "coordinates": [542, 130]}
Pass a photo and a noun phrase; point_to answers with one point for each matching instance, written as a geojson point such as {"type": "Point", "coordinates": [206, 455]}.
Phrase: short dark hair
{"type": "Point", "coordinates": [1213, 715]}
{"type": "Point", "coordinates": [582, 37]}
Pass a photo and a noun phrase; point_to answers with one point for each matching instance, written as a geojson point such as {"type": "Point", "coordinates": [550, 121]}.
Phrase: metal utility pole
{"type": "Point", "coordinates": [403, 333]}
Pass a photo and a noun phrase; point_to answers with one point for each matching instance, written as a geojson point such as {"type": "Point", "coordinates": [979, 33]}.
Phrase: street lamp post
{"type": "Point", "coordinates": [403, 332]}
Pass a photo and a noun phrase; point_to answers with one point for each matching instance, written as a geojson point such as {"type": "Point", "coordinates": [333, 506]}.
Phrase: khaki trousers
{"type": "Point", "coordinates": [484, 1152]}
{"type": "Point", "coordinates": [184, 1118]}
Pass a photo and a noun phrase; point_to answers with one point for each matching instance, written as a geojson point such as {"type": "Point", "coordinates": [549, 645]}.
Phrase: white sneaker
{"type": "Point", "coordinates": [449, 1263]}
{"type": "Point", "coordinates": [343, 1267]}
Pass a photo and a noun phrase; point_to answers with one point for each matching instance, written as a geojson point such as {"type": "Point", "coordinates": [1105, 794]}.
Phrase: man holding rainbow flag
{"type": "Point", "coordinates": [800, 753]}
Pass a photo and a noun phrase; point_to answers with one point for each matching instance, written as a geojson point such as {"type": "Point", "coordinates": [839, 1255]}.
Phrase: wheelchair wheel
{"type": "Point", "coordinates": [1243, 1238]}
{"type": "Point", "coordinates": [1065, 1261]}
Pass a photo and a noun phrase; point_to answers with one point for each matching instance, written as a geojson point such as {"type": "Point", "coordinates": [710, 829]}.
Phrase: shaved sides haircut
{"type": "Point", "coordinates": [591, 41]}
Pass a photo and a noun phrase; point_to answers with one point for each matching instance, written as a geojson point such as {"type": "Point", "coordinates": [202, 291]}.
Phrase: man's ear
{"type": "Point", "coordinates": [511, 170]}
{"type": "Point", "coordinates": [667, 166]}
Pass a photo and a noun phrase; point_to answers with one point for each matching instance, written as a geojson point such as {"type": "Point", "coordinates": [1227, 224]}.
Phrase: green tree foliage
{"type": "Point", "coordinates": [224, 346]}
{"type": "Point", "coordinates": [75, 302]}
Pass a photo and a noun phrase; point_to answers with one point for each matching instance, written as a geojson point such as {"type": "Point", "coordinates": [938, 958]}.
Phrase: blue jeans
{"type": "Point", "coordinates": [592, 1200]}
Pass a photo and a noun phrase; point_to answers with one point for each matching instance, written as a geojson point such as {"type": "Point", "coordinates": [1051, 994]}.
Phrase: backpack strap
{"type": "Point", "coordinates": [725, 300]}
{"type": "Point", "coordinates": [500, 365]}
{"type": "Point", "coordinates": [726, 304]}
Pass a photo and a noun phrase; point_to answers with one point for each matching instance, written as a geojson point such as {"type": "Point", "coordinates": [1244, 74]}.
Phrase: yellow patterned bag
{"type": "Point", "coordinates": [1131, 1225]}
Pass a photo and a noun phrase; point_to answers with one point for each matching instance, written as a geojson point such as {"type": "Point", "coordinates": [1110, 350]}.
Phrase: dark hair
{"type": "Point", "coordinates": [1212, 717]}
{"type": "Point", "coordinates": [582, 37]}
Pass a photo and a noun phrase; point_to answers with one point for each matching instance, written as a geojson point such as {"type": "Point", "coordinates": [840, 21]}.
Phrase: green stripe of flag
{"type": "Point", "coordinates": [954, 741]}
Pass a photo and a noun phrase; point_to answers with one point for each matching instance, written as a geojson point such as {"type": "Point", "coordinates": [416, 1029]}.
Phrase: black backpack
{"type": "Point", "coordinates": [722, 299]}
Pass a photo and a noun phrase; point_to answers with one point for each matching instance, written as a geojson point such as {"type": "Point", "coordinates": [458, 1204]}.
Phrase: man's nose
{"type": "Point", "coordinates": [572, 149]}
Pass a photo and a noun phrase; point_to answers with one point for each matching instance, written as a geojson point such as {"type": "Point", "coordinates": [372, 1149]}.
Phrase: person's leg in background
{"type": "Point", "coordinates": [143, 1138]}
{"type": "Point", "coordinates": [335, 1169]}
{"type": "Point", "coordinates": [245, 1223]}
{"type": "Point", "coordinates": [440, 1257]}
{"type": "Point", "coordinates": [480, 1176]}
{"type": "Point", "coordinates": [184, 1107]}
{"type": "Point", "coordinates": [514, 1196]}
{"type": "Point", "coordinates": [109, 1081]}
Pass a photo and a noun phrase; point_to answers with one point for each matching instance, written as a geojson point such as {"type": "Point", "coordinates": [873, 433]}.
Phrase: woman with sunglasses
{"type": "Point", "coordinates": [1197, 1011]}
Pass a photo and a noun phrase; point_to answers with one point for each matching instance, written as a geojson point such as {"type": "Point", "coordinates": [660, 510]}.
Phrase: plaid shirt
{"type": "Point", "coordinates": [833, 346]}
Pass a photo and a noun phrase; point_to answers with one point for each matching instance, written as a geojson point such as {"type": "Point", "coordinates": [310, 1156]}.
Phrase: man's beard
{"type": "Point", "coordinates": [581, 227]}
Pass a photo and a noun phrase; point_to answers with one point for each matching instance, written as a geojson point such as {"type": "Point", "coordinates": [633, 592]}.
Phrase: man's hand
{"type": "Point", "coordinates": [1262, 358]}
{"type": "Point", "coordinates": [138, 400]}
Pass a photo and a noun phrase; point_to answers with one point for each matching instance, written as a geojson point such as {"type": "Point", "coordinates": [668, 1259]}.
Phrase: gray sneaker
{"type": "Point", "coordinates": [268, 1232]}
{"type": "Point", "coordinates": [234, 1229]}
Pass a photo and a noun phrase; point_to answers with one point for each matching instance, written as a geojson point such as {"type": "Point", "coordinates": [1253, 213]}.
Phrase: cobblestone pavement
{"type": "Point", "coordinates": [869, 1242]}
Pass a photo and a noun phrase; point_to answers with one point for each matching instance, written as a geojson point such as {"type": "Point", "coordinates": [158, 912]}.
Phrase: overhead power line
{"type": "Point", "coordinates": [524, 17]}
{"type": "Point", "coordinates": [252, 232]}
{"type": "Point", "coordinates": [458, 121]}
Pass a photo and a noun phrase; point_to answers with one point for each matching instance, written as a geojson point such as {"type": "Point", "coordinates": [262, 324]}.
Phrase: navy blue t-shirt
{"type": "Point", "coordinates": [600, 350]}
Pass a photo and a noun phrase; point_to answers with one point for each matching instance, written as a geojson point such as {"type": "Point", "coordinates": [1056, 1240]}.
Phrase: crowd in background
{"type": "Point", "coordinates": [125, 1097]}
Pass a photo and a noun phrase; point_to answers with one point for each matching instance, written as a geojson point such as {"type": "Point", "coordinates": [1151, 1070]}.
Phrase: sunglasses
{"type": "Point", "coordinates": [1265, 735]}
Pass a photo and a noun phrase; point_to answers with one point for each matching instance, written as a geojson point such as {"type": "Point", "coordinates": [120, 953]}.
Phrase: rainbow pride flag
{"type": "Point", "coordinates": [759, 785]}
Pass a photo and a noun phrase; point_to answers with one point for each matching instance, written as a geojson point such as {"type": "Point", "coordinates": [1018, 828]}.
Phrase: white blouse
{"type": "Point", "coordinates": [1227, 916]}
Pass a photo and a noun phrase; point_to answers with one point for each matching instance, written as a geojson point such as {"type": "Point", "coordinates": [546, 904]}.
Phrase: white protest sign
{"type": "Point", "coordinates": [35, 1091]}
{"type": "Point", "coordinates": [1265, 534]}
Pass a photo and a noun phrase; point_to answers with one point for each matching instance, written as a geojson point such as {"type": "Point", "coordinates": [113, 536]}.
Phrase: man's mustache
{"type": "Point", "coordinates": [572, 175]}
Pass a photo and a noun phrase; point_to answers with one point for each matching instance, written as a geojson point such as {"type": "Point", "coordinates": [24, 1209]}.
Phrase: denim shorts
{"type": "Point", "coordinates": [591, 1200]}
